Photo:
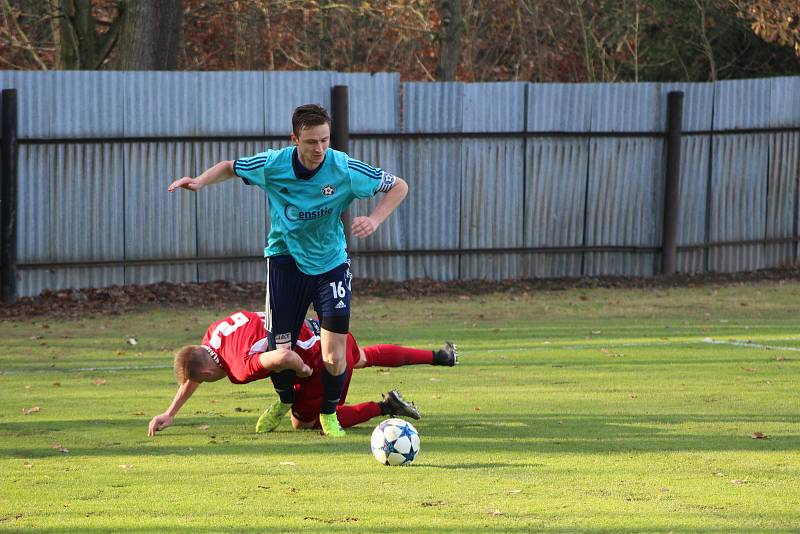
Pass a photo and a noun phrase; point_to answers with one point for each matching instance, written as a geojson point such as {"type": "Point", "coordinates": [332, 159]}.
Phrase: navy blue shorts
{"type": "Point", "coordinates": [290, 292]}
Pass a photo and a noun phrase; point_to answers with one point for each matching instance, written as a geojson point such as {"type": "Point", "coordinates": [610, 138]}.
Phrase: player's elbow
{"type": "Point", "coordinates": [227, 168]}
{"type": "Point", "coordinates": [400, 188]}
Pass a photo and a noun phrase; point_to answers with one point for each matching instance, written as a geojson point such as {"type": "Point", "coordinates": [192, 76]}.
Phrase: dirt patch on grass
{"type": "Point", "coordinates": [120, 299]}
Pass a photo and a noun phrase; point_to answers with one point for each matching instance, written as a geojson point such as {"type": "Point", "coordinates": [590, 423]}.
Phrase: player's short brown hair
{"type": "Point", "coordinates": [309, 115]}
{"type": "Point", "coordinates": [188, 363]}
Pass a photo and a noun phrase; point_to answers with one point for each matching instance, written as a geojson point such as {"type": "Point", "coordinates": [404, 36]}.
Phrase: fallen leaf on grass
{"type": "Point", "coordinates": [759, 435]}
{"type": "Point", "coordinates": [126, 466]}
{"type": "Point", "coordinates": [738, 482]}
{"type": "Point", "coordinates": [27, 465]}
{"type": "Point", "coordinates": [203, 427]}
{"type": "Point", "coordinates": [611, 353]}
{"type": "Point", "coordinates": [56, 384]}
{"type": "Point", "coordinates": [383, 371]}
{"type": "Point", "coordinates": [137, 413]}
{"type": "Point", "coordinates": [494, 512]}
{"type": "Point", "coordinates": [750, 369]}
{"type": "Point", "coordinates": [428, 504]}
{"type": "Point", "coordinates": [28, 411]}
{"type": "Point", "coordinates": [100, 382]}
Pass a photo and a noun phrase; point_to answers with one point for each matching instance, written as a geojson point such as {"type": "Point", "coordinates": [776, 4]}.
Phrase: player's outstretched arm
{"type": "Point", "coordinates": [218, 173]}
{"type": "Point", "coordinates": [282, 359]}
{"type": "Point", "coordinates": [365, 226]}
{"type": "Point", "coordinates": [162, 421]}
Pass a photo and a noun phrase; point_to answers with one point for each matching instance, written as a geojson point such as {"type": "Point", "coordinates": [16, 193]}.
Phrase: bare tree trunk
{"type": "Point", "coordinates": [80, 46]}
{"type": "Point", "coordinates": [55, 26]}
{"type": "Point", "coordinates": [707, 47]}
{"type": "Point", "coordinates": [150, 36]}
{"type": "Point", "coordinates": [452, 15]}
{"type": "Point", "coordinates": [250, 18]}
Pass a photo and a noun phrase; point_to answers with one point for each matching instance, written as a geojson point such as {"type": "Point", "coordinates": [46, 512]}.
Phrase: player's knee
{"type": "Point", "coordinates": [284, 357]}
{"type": "Point", "coordinates": [333, 358]}
{"type": "Point", "coordinates": [297, 424]}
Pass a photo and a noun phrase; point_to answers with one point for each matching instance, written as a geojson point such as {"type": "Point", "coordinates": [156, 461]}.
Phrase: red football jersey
{"type": "Point", "coordinates": [238, 340]}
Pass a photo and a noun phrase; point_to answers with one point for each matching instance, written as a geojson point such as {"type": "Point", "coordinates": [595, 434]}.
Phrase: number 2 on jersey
{"type": "Point", "coordinates": [224, 329]}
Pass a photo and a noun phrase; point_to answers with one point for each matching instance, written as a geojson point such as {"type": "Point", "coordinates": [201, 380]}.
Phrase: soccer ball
{"type": "Point", "coordinates": [395, 442]}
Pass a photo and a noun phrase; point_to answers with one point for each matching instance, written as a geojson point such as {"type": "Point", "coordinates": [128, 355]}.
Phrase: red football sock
{"type": "Point", "coordinates": [395, 356]}
{"type": "Point", "coordinates": [353, 414]}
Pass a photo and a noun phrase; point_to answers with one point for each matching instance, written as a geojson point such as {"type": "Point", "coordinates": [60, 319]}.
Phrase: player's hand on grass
{"type": "Point", "coordinates": [187, 182]}
{"type": "Point", "coordinates": [363, 227]}
{"type": "Point", "coordinates": [159, 422]}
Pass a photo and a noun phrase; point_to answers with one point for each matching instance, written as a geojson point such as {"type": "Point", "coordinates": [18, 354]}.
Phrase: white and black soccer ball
{"type": "Point", "coordinates": [395, 442]}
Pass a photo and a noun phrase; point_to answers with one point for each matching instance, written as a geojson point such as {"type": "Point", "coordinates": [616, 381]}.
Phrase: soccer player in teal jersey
{"type": "Point", "coordinates": [309, 186]}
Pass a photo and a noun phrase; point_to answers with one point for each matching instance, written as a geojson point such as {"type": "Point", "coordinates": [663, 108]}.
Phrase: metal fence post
{"type": "Point", "coordinates": [340, 136]}
{"type": "Point", "coordinates": [672, 182]}
{"type": "Point", "coordinates": [9, 156]}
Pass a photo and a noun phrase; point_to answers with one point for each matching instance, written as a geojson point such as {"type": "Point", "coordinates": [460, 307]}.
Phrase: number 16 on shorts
{"type": "Point", "coordinates": [335, 299]}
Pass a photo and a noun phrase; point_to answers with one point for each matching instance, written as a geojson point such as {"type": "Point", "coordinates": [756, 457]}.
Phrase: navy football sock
{"type": "Point", "coordinates": [284, 385]}
{"type": "Point", "coordinates": [332, 387]}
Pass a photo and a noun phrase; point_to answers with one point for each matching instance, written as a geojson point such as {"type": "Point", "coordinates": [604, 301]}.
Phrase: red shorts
{"type": "Point", "coordinates": [308, 391]}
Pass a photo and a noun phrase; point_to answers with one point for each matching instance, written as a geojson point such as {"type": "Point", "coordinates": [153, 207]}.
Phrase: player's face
{"type": "Point", "coordinates": [312, 143]}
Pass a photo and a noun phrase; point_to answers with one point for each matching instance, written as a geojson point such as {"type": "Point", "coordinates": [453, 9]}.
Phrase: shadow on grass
{"type": "Point", "coordinates": [452, 434]}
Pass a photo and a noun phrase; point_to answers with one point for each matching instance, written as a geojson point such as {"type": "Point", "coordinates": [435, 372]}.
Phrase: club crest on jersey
{"type": "Point", "coordinates": [328, 190]}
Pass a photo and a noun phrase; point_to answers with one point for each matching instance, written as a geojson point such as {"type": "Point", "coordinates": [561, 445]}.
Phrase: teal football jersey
{"type": "Point", "coordinates": [306, 212]}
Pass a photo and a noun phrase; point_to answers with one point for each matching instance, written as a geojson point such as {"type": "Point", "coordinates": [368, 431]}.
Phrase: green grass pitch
{"type": "Point", "coordinates": [591, 410]}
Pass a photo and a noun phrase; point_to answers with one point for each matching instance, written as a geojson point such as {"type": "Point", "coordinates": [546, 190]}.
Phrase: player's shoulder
{"type": "Point", "coordinates": [357, 166]}
{"type": "Point", "coordinates": [239, 318]}
{"type": "Point", "coordinates": [266, 157]}
{"type": "Point", "coordinates": [338, 158]}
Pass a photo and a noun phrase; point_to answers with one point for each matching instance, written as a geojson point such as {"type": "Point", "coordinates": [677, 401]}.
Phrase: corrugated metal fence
{"type": "Point", "coordinates": [508, 180]}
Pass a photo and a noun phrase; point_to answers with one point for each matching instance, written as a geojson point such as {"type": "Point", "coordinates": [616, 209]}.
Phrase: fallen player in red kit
{"type": "Point", "coordinates": [237, 347]}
